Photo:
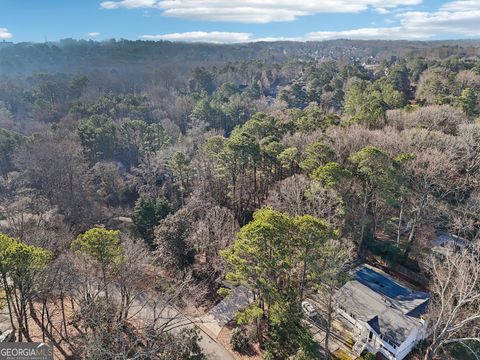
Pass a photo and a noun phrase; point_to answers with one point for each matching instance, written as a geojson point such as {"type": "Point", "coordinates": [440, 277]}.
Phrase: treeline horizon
{"type": "Point", "coordinates": [70, 55]}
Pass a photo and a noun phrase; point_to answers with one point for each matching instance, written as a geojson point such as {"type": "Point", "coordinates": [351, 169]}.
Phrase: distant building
{"type": "Point", "coordinates": [386, 316]}
{"type": "Point", "coordinates": [5, 44]}
{"type": "Point", "coordinates": [445, 241]}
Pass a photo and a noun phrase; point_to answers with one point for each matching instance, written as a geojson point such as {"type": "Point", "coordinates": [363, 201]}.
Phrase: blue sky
{"type": "Point", "coordinates": [238, 20]}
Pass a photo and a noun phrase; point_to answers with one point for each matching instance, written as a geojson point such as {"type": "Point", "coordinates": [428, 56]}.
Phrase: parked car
{"type": "Point", "coordinates": [309, 309]}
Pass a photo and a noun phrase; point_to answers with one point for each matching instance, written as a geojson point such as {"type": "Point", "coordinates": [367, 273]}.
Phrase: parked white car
{"type": "Point", "coordinates": [309, 309]}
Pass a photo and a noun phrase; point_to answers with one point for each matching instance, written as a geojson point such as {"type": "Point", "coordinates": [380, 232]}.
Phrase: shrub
{"type": "Point", "coordinates": [303, 354]}
{"type": "Point", "coordinates": [239, 340]}
{"type": "Point", "coordinates": [267, 355]}
{"type": "Point", "coordinates": [224, 292]}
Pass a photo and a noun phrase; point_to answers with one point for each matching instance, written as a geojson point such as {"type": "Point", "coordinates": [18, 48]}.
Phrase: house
{"type": "Point", "coordinates": [225, 311]}
{"type": "Point", "coordinates": [387, 316]}
{"type": "Point", "coordinates": [444, 242]}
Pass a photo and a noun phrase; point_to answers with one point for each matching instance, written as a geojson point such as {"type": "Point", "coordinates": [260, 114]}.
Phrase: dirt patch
{"type": "Point", "coordinates": [60, 332]}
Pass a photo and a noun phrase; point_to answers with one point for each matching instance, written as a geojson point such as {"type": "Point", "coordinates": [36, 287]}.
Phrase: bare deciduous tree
{"type": "Point", "coordinates": [56, 168]}
{"type": "Point", "coordinates": [433, 177]}
{"type": "Point", "coordinates": [454, 310]}
{"type": "Point", "coordinates": [297, 195]}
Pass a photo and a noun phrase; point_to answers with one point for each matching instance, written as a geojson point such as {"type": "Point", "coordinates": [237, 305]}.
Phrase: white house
{"type": "Point", "coordinates": [387, 316]}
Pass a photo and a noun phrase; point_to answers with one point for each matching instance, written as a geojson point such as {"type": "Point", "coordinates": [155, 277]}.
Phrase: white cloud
{"type": "Point", "coordinates": [202, 36]}
{"type": "Point", "coordinates": [282, 38]}
{"type": "Point", "coordinates": [382, 11]}
{"type": "Point", "coordinates": [93, 34]}
{"type": "Point", "coordinates": [362, 34]}
{"type": "Point", "coordinates": [465, 5]}
{"type": "Point", "coordinates": [4, 34]}
{"type": "Point", "coordinates": [465, 23]}
{"type": "Point", "coordinates": [129, 4]}
{"type": "Point", "coordinates": [457, 18]}
{"type": "Point", "coordinates": [413, 25]}
{"type": "Point", "coordinates": [256, 11]}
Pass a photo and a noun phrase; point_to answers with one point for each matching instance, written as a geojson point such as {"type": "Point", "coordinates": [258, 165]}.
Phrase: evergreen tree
{"type": "Point", "coordinates": [372, 168]}
{"type": "Point", "coordinates": [276, 256]}
{"type": "Point", "coordinates": [104, 248]}
{"type": "Point", "coordinates": [147, 214]}
{"type": "Point", "coordinates": [468, 101]}
{"type": "Point", "coordinates": [98, 137]}
{"type": "Point", "coordinates": [20, 267]}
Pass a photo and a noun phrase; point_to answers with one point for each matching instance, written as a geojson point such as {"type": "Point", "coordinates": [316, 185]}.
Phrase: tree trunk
{"type": "Point", "coordinates": [9, 300]}
{"type": "Point", "coordinates": [19, 315]}
{"type": "Point", "coordinates": [105, 285]}
{"type": "Point", "coordinates": [329, 322]}
{"type": "Point", "coordinates": [429, 354]}
{"type": "Point", "coordinates": [400, 219]}
{"type": "Point", "coordinates": [416, 219]}
{"type": "Point", "coordinates": [255, 191]}
{"type": "Point", "coordinates": [64, 318]}
{"type": "Point", "coordinates": [374, 215]}
{"type": "Point", "coordinates": [49, 334]}
{"type": "Point", "coordinates": [259, 331]}
{"type": "Point", "coordinates": [304, 276]}
{"type": "Point", "coordinates": [43, 321]}
{"type": "Point", "coordinates": [363, 222]}
{"type": "Point", "coordinates": [26, 327]}
{"type": "Point", "coordinates": [411, 238]}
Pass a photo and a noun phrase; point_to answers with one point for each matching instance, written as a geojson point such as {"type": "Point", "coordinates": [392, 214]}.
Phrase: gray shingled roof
{"type": "Point", "coordinates": [445, 238]}
{"type": "Point", "coordinates": [388, 317]}
{"type": "Point", "coordinates": [227, 309]}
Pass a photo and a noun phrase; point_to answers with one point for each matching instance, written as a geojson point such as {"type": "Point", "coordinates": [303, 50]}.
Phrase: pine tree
{"type": "Point", "coordinates": [468, 101]}
{"type": "Point", "coordinates": [147, 214]}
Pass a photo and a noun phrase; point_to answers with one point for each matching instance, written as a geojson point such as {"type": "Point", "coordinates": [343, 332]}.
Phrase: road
{"type": "Point", "coordinates": [214, 350]}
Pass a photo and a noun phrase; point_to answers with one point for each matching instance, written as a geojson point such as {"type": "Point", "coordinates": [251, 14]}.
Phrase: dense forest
{"type": "Point", "coordinates": [176, 171]}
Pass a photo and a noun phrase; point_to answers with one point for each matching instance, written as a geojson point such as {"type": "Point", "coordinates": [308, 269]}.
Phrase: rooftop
{"type": "Point", "coordinates": [408, 301]}
{"type": "Point", "coordinates": [443, 240]}
{"type": "Point", "coordinates": [390, 308]}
